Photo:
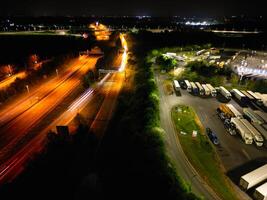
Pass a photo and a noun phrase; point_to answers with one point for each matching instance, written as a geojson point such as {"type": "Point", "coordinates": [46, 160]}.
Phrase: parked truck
{"type": "Point", "coordinates": [263, 98]}
{"type": "Point", "coordinates": [252, 116]}
{"type": "Point", "coordinates": [241, 98]}
{"type": "Point", "coordinates": [230, 111]}
{"type": "Point", "coordinates": [257, 137]}
{"type": "Point", "coordinates": [253, 178]}
{"type": "Point", "coordinates": [263, 115]}
{"type": "Point", "coordinates": [206, 89]}
{"type": "Point", "coordinates": [249, 97]}
{"type": "Point", "coordinates": [212, 90]}
{"type": "Point", "coordinates": [188, 86]}
{"type": "Point", "coordinates": [242, 130]}
{"type": "Point", "coordinates": [262, 131]}
{"type": "Point", "coordinates": [194, 88]}
{"type": "Point", "coordinates": [261, 192]}
{"type": "Point", "coordinates": [257, 98]}
{"type": "Point", "coordinates": [176, 85]}
{"type": "Point", "coordinates": [200, 89]}
{"type": "Point", "coordinates": [225, 93]}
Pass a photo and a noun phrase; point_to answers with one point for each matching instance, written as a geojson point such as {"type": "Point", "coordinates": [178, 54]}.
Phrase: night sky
{"type": "Point", "coordinates": [201, 8]}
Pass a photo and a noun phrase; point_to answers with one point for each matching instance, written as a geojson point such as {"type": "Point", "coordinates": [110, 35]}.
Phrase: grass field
{"type": "Point", "coordinates": [200, 151]}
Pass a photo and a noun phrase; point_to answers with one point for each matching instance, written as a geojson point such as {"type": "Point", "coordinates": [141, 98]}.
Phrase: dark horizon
{"type": "Point", "coordinates": [206, 8]}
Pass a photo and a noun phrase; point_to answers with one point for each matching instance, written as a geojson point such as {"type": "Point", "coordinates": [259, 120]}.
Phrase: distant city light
{"type": "Point", "coordinates": [197, 23]}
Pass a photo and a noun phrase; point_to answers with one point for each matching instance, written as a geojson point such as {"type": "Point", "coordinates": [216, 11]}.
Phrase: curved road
{"type": "Point", "coordinates": [175, 151]}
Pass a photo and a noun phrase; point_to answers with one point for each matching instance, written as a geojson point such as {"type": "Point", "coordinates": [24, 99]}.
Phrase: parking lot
{"type": "Point", "coordinates": [232, 150]}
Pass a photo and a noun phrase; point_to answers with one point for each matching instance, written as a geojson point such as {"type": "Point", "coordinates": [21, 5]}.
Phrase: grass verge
{"type": "Point", "coordinates": [200, 152]}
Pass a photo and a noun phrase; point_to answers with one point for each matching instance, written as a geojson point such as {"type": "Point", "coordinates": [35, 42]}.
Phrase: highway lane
{"type": "Point", "coordinates": [15, 108]}
{"type": "Point", "coordinates": [6, 82]}
{"type": "Point", "coordinates": [104, 115]}
{"type": "Point", "coordinates": [17, 129]}
{"type": "Point", "coordinates": [104, 96]}
{"type": "Point", "coordinates": [15, 164]}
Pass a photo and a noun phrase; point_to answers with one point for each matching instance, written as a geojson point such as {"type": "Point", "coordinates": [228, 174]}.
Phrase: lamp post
{"type": "Point", "coordinates": [28, 90]}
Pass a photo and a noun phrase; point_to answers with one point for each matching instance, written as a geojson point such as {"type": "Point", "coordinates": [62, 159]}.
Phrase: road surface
{"type": "Point", "coordinates": [6, 82]}
{"type": "Point", "coordinates": [26, 101]}
{"type": "Point", "coordinates": [175, 151]}
{"type": "Point", "coordinates": [232, 151]}
{"type": "Point", "coordinates": [14, 134]}
{"type": "Point", "coordinates": [15, 160]}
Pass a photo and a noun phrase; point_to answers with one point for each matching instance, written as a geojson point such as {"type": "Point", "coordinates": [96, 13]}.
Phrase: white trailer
{"type": "Point", "coordinates": [225, 93]}
{"type": "Point", "coordinates": [242, 130]}
{"type": "Point", "coordinates": [212, 90]}
{"type": "Point", "coordinates": [262, 115]}
{"type": "Point", "coordinates": [257, 137]}
{"type": "Point", "coordinates": [253, 178]}
{"type": "Point", "coordinates": [239, 96]}
{"type": "Point", "coordinates": [200, 88]}
{"type": "Point", "coordinates": [263, 98]}
{"type": "Point", "coordinates": [234, 111]}
{"type": "Point", "coordinates": [257, 97]}
{"type": "Point", "coordinates": [261, 192]}
{"type": "Point", "coordinates": [252, 116]}
{"type": "Point", "coordinates": [206, 89]}
{"type": "Point", "coordinates": [262, 131]}
{"type": "Point", "coordinates": [176, 85]}
{"type": "Point", "coordinates": [188, 86]}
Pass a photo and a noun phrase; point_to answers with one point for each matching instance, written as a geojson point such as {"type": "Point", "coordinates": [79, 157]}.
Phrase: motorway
{"type": "Point", "coordinates": [103, 97]}
{"type": "Point", "coordinates": [6, 82]}
{"type": "Point", "coordinates": [14, 133]}
{"type": "Point", "coordinates": [12, 110]}
{"type": "Point", "coordinates": [232, 150]}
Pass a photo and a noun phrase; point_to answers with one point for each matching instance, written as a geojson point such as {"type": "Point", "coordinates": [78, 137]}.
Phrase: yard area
{"type": "Point", "coordinates": [200, 151]}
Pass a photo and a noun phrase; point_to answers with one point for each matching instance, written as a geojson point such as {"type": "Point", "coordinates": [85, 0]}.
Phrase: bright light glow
{"type": "Point", "coordinates": [124, 55]}
{"type": "Point", "coordinates": [197, 23]}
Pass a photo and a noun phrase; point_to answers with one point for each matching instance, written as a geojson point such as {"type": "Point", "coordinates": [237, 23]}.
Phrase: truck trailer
{"type": "Point", "coordinates": [242, 99]}
{"type": "Point", "coordinates": [188, 86]}
{"type": "Point", "coordinates": [176, 85]}
{"type": "Point", "coordinates": [257, 98]}
{"type": "Point", "coordinates": [252, 116]}
{"type": "Point", "coordinates": [194, 88]}
{"type": "Point", "coordinates": [230, 111]}
{"type": "Point", "coordinates": [225, 93]}
{"type": "Point", "coordinates": [212, 90]}
{"type": "Point", "coordinates": [200, 89]}
{"type": "Point", "coordinates": [242, 130]}
{"type": "Point", "coordinates": [257, 137]}
{"type": "Point", "coordinates": [262, 131]}
{"type": "Point", "coordinates": [261, 192]}
{"type": "Point", "coordinates": [253, 178]}
{"type": "Point", "coordinates": [206, 89]}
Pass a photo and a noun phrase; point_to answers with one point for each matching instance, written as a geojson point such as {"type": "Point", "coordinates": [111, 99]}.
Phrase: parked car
{"type": "Point", "coordinates": [212, 136]}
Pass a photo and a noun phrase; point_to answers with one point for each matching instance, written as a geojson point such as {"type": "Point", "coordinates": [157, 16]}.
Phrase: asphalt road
{"type": "Point", "coordinates": [6, 82]}
{"type": "Point", "coordinates": [14, 133]}
{"type": "Point", "coordinates": [232, 151]}
{"type": "Point", "coordinates": [174, 148]}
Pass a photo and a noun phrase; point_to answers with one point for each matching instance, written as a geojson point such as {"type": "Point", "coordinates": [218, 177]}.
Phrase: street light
{"type": "Point", "coordinates": [27, 87]}
{"type": "Point", "coordinates": [10, 70]}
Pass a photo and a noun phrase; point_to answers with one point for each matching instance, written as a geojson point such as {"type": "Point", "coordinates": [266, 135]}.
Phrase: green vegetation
{"type": "Point", "coordinates": [204, 72]}
{"type": "Point", "coordinates": [199, 150]}
{"type": "Point", "coordinates": [166, 63]}
{"type": "Point", "coordinates": [133, 152]}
